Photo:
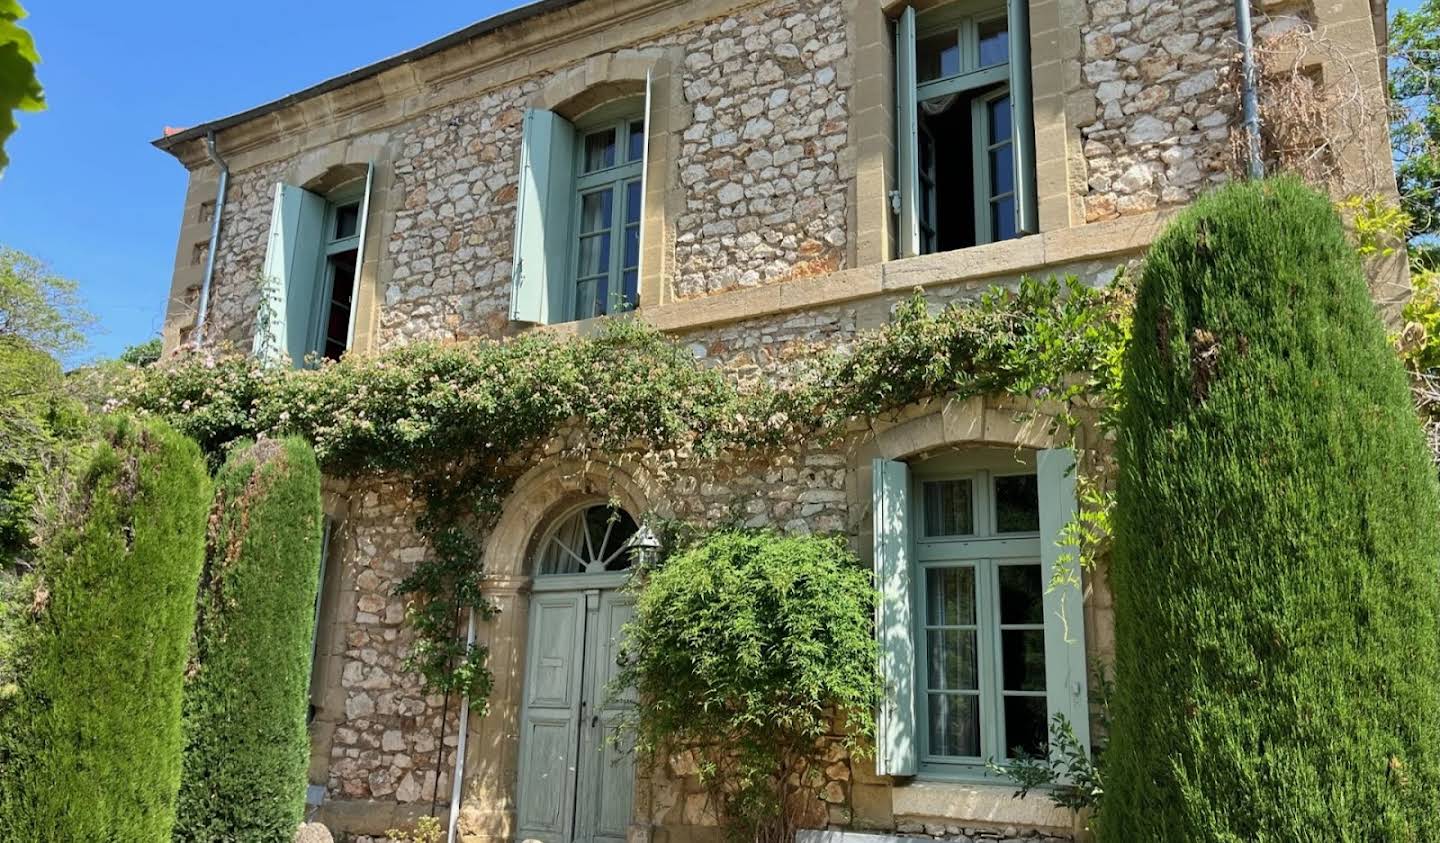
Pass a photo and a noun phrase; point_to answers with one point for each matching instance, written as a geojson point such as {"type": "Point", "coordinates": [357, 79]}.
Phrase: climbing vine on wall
{"type": "Point", "coordinates": [463, 420]}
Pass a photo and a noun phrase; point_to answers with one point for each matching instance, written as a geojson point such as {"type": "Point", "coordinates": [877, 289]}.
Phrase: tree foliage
{"type": "Point", "coordinates": [19, 89]}
{"type": "Point", "coordinates": [97, 633]}
{"type": "Point", "coordinates": [740, 649]}
{"type": "Point", "coordinates": [1277, 527]}
{"type": "Point", "coordinates": [246, 746]}
{"type": "Point", "coordinates": [1414, 81]}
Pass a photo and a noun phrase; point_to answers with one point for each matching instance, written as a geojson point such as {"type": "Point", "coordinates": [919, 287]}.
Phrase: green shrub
{"type": "Point", "coordinates": [90, 735]}
{"type": "Point", "coordinates": [741, 647]}
{"type": "Point", "coordinates": [1277, 534]}
{"type": "Point", "coordinates": [246, 694]}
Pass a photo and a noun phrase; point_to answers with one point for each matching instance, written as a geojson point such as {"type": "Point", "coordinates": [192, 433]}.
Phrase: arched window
{"type": "Point", "coordinates": [592, 539]}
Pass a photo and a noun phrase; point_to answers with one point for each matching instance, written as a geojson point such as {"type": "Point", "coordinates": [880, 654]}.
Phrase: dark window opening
{"type": "Point", "coordinates": [952, 163]}
{"type": "Point", "coordinates": [341, 269]}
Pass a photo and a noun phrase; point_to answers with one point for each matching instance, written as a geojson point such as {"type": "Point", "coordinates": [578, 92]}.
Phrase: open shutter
{"type": "Point", "coordinates": [907, 135]}
{"type": "Point", "coordinates": [542, 219]}
{"type": "Point", "coordinates": [360, 254]}
{"type": "Point", "coordinates": [895, 749]}
{"type": "Point", "coordinates": [1066, 679]}
{"type": "Point", "coordinates": [289, 276]}
{"type": "Point", "coordinates": [645, 179]}
{"type": "Point", "coordinates": [1022, 107]}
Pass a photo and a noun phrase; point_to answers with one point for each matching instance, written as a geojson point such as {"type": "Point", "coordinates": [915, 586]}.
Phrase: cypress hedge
{"type": "Point", "coordinates": [1277, 535]}
{"type": "Point", "coordinates": [246, 695]}
{"type": "Point", "coordinates": [90, 734]}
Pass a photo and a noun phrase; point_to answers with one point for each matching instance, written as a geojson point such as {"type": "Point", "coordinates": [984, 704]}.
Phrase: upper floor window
{"type": "Point", "coordinates": [311, 274]}
{"type": "Point", "coordinates": [580, 212]}
{"type": "Point", "coordinates": [965, 131]}
{"type": "Point", "coordinates": [980, 652]}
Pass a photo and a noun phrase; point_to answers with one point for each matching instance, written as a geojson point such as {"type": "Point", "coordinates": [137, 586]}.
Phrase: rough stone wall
{"type": "Point", "coordinates": [457, 172]}
{"type": "Point", "coordinates": [245, 228]}
{"type": "Point", "coordinates": [389, 741]}
{"type": "Point", "coordinates": [765, 197]}
{"type": "Point", "coordinates": [1161, 127]}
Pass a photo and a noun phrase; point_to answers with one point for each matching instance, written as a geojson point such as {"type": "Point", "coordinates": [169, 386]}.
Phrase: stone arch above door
{"type": "Point", "coordinates": [540, 491]}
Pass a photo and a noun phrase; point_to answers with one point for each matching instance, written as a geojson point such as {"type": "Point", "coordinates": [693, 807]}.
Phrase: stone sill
{"type": "Point", "coordinates": [1027, 255]}
{"type": "Point", "coordinates": [977, 804]}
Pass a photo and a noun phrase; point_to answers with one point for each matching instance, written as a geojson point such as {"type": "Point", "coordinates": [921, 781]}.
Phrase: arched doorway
{"type": "Point", "coordinates": [577, 780]}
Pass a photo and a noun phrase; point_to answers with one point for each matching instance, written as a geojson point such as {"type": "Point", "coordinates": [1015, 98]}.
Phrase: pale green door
{"type": "Point", "coordinates": [577, 780]}
{"type": "Point", "coordinates": [551, 718]}
{"type": "Point", "coordinates": [606, 780]}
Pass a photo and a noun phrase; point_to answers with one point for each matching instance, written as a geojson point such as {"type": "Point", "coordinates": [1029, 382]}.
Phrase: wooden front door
{"type": "Point", "coordinates": [577, 780]}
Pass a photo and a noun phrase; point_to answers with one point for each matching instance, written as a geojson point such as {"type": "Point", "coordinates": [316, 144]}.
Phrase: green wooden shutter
{"type": "Point", "coordinates": [907, 135]}
{"type": "Point", "coordinates": [540, 273]}
{"type": "Point", "coordinates": [289, 276]}
{"type": "Point", "coordinates": [1066, 677]}
{"type": "Point", "coordinates": [644, 179]}
{"type": "Point", "coordinates": [360, 254]}
{"type": "Point", "coordinates": [895, 747]}
{"type": "Point", "coordinates": [1022, 107]}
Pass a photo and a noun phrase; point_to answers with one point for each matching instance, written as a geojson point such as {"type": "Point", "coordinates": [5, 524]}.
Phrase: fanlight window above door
{"type": "Point", "coordinates": [595, 539]}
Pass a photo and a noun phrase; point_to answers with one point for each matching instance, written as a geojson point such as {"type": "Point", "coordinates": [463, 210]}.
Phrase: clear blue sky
{"type": "Point", "coordinates": [87, 193]}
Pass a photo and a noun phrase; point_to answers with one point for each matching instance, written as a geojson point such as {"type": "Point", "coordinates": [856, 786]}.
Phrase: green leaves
{"type": "Point", "coordinates": [1414, 78]}
{"type": "Point", "coordinates": [19, 89]}
{"type": "Point", "coordinates": [463, 419]}
{"type": "Point", "coordinates": [742, 647]}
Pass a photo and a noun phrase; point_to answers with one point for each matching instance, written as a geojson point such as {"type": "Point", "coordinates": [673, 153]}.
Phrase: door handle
{"type": "Point", "coordinates": [594, 721]}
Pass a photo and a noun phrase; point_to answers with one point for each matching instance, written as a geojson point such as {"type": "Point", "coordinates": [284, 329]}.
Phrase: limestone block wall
{"type": "Point", "coordinates": [1160, 128]}
{"type": "Point", "coordinates": [760, 166]}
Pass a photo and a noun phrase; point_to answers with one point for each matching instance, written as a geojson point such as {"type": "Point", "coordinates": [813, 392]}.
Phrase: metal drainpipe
{"type": "Point", "coordinates": [214, 236]}
{"type": "Point", "coordinates": [455, 786]}
{"type": "Point", "coordinates": [1251, 103]}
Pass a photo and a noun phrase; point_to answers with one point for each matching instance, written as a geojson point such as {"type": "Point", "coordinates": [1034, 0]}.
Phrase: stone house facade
{"type": "Point", "coordinates": [752, 177]}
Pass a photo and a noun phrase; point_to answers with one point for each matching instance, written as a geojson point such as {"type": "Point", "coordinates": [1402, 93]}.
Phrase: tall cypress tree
{"type": "Point", "coordinates": [1277, 559]}
{"type": "Point", "coordinates": [246, 696]}
{"type": "Point", "coordinates": [90, 735]}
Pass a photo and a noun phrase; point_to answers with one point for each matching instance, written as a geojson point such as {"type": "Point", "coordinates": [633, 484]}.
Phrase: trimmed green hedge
{"type": "Point", "coordinates": [1277, 535]}
{"type": "Point", "coordinates": [90, 737]}
{"type": "Point", "coordinates": [246, 697]}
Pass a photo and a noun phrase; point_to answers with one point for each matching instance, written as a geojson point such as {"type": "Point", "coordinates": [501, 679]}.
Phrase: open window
{"type": "Point", "coordinates": [580, 212]}
{"type": "Point", "coordinates": [312, 272]}
{"type": "Point", "coordinates": [966, 130]}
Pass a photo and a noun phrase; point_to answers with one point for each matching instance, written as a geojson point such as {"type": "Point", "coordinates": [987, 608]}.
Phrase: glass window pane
{"type": "Point", "coordinates": [633, 202]}
{"type": "Point", "coordinates": [952, 659]}
{"type": "Point", "coordinates": [937, 56]}
{"type": "Point", "coordinates": [632, 246]}
{"type": "Point", "coordinates": [999, 111]}
{"type": "Point", "coordinates": [595, 210]}
{"type": "Point", "coordinates": [599, 150]}
{"type": "Point", "coordinates": [1024, 656]}
{"type": "Point", "coordinates": [1025, 726]}
{"type": "Point", "coordinates": [950, 596]}
{"type": "Point", "coordinates": [1017, 504]}
{"type": "Point", "coordinates": [1002, 170]}
{"type": "Point", "coordinates": [994, 42]}
{"type": "Point", "coordinates": [949, 508]}
{"type": "Point", "coordinates": [955, 725]}
{"type": "Point", "coordinates": [587, 299]}
{"type": "Point", "coordinates": [637, 141]}
{"type": "Point", "coordinates": [1022, 594]}
{"type": "Point", "coordinates": [1002, 219]}
{"type": "Point", "coordinates": [347, 221]}
{"type": "Point", "coordinates": [594, 255]}
{"type": "Point", "coordinates": [631, 291]}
